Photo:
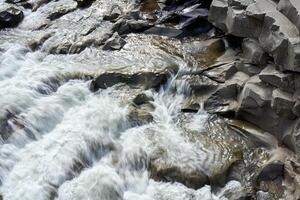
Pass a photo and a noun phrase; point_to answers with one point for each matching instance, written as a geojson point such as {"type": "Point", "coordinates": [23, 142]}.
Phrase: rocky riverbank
{"type": "Point", "coordinates": [198, 96]}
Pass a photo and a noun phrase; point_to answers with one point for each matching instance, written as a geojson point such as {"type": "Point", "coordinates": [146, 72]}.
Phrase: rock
{"type": "Point", "coordinates": [224, 100]}
{"type": "Point", "coordinates": [253, 52]}
{"type": "Point", "coordinates": [291, 136]}
{"type": "Point", "coordinates": [282, 103]}
{"type": "Point", "coordinates": [247, 68]}
{"type": "Point", "coordinates": [255, 94]}
{"type": "Point", "coordinates": [296, 108]}
{"type": "Point", "coordinates": [23, 3]}
{"type": "Point", "coordinates": [200, 85]}
{"type": "Point", "coordinates": [190, 178]}
{"type": "Point", "coordinates": [271, 172]}
{"type": "Point", "coordinates": [139, 79]}
{"type": "Point", "coordinates": [140, 115]}
{"type": "Point", "coordinates": [260, 20]}
{"type": "Point", "coordinates": [125, 26]}
{"type": "Point", "coordinates": [163, 31]}
{"type": "Point", "coordinates": [113, 15]}
{"type": "Point", "coordinates": [114, 43]}
{"type": "Point", "coordinates": [221, 73]}
{"type": "Point", "coordinates": [291, 9]}
{"type": "Point", "coordinates": [10, 17]}
{"type": "Point", "coordinates": [142, 99]}
{"type": "Point", "coordinates": [84, 3]}
{"type": "Point", "coordinates": [284, 81]}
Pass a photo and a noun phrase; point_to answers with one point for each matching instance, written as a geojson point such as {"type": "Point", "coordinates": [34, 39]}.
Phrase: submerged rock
{"type": "Point", "coordinates": [143, 79]}
{"type": "Point", "coordinates": [10, 17]}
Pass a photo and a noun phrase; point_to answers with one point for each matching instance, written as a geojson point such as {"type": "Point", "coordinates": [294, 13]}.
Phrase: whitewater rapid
{"type": "Point", "coordinates": [68, 143]}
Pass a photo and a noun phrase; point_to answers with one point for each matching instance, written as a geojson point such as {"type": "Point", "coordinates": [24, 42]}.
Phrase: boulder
{"type": "Point", "coordinates": [284, 81]}
{"type": "Point", "coordinates": [143, 79]}
{"type": "Point", "coordinates": [190, 178]}
{"type": "Point", "coordinates": [282, 103]}
{"type": "Point", "coordinates": [113, 14]}
{"type": "Point", "coordinates": [164, 31]}
{"type": "Point", "coordinates": [272, 172]}
{"type": "Point", "coordinates": [114, 43]}
{"type": "Point", "coordinates": [253, 52]}
{"type": "Point", "coordinates": [224, 100]}
{"type": "Point", "coordinates": [296, 108]}
{"type": "Point", "coordinates": [142, 99]}
{"type": "Point", "coordinates": [254, 94]}
{"type": "Point", "coordinates": [23, 3]}
{"type": "Point", "coordinates": [291, 9]}
{"type": "Point", "coordinates": [247, 68]}
{"type": "Point", "coordinates": [84, 3]}
{"type": "Point", "coordinates": [125, 26]}
{"type": "Point", "coordinates": [260, 20]}
{"type": "Point", "coordinates": [10, 17]}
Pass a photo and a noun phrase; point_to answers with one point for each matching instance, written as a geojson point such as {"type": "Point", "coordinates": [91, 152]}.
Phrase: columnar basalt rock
{"type": "Point", "coordinates": [261, 20]}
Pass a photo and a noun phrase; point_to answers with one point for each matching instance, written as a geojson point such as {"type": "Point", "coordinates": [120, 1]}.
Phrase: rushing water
{"type": "Point", "coordinates": [69, 143]}
{"type": "Point", "coordinates": [61, 141]}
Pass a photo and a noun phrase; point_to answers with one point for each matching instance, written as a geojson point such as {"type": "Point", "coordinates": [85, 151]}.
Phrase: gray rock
{"type": "Point", "coordinates": [255, 94]}
{"type": "Point", "coordinates": [282, 103]}
{"type": "Point", "coordinates": [247, 68]}
{"type": "Point", "coordinates": [224, 100]}
{"type": "Point", "coordinates": [271, 172]}
{"type": "Point", "coordinates": [296, 108]}
{"type": "Point", "coordinates": [164, 31]}
{"type": "Point", "coordinates": [253, 52]}
{"type": "Point", "coordinates": [114, 43]}
{"type": "Point", "coordinates": [260, 20]}
{"type": "Point", "coordinates": [291, 9]}
{"type": "Point", "coordinates": [221, 73]}
{"type": "Point", "coordinates": [10, 17]}
{"type": "Point", "coordinates": [142, 99]}
{"type": "Point", "coordinates": [144, 79]}
{"type": "Point", "coordinates": [284, 81]}
{"type": "Point", "coordinates": [125, 26]}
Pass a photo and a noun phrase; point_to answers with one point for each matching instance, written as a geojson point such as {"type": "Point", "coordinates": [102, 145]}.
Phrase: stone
{"type": "Point", "coordinates": [253, 52]}
{"type": "Point", "coordinates": [296, 108]}
{"type": "Point", "coordinates": [193, 179]}
{"type": "Point", "coordinates": [113, 15]}
{"type": "Point", "coordinates": [271, 172]}
{"type": "Point", "coordinates": [164, 31]}
{"type": "Point", "coordinates": [255, 94]}
{"type": "Point", "coordinates": [114, 43]}
{"type": "Point", "coordinates": [247, 68]}
{"type": "Point", "coordinates": [140, 115]}
{"type": "Point", "coordinates": [291, 9]}
{"type": "Point", "coordinates": [10, 17]}
{"type": "Point", "coordinates": [23, 3]}
{"type": "Point", "coordinates": [224, 100]}
{"type": "Point", "coordinates": [284, 81]}
{"type": "Point", "coordinates": [260, 20]}
{"type": "Point", "coordinates": [221, 73]}
{"type": "Point", "coordinates": [142, 99]}
{"type": "Point", "coordinates": [282, 103]}
{"type": "Point", "coordinates": [84, 3]}
{"type": "Point", "coordinates": [144, 79]}
{"type": "Point", "coordinates": [125, 26]}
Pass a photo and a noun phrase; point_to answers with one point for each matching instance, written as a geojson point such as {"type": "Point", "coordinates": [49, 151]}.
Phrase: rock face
{"type": "Point", "coordinates": [276, 30]}
{"type": "Point", "coordinates": [269, 97]}
{"type": "Point", "coordinates": [10, 17]}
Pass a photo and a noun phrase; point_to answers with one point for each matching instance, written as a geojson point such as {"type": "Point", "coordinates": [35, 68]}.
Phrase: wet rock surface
{"type": "Point", "coordinates": [146, 99]}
